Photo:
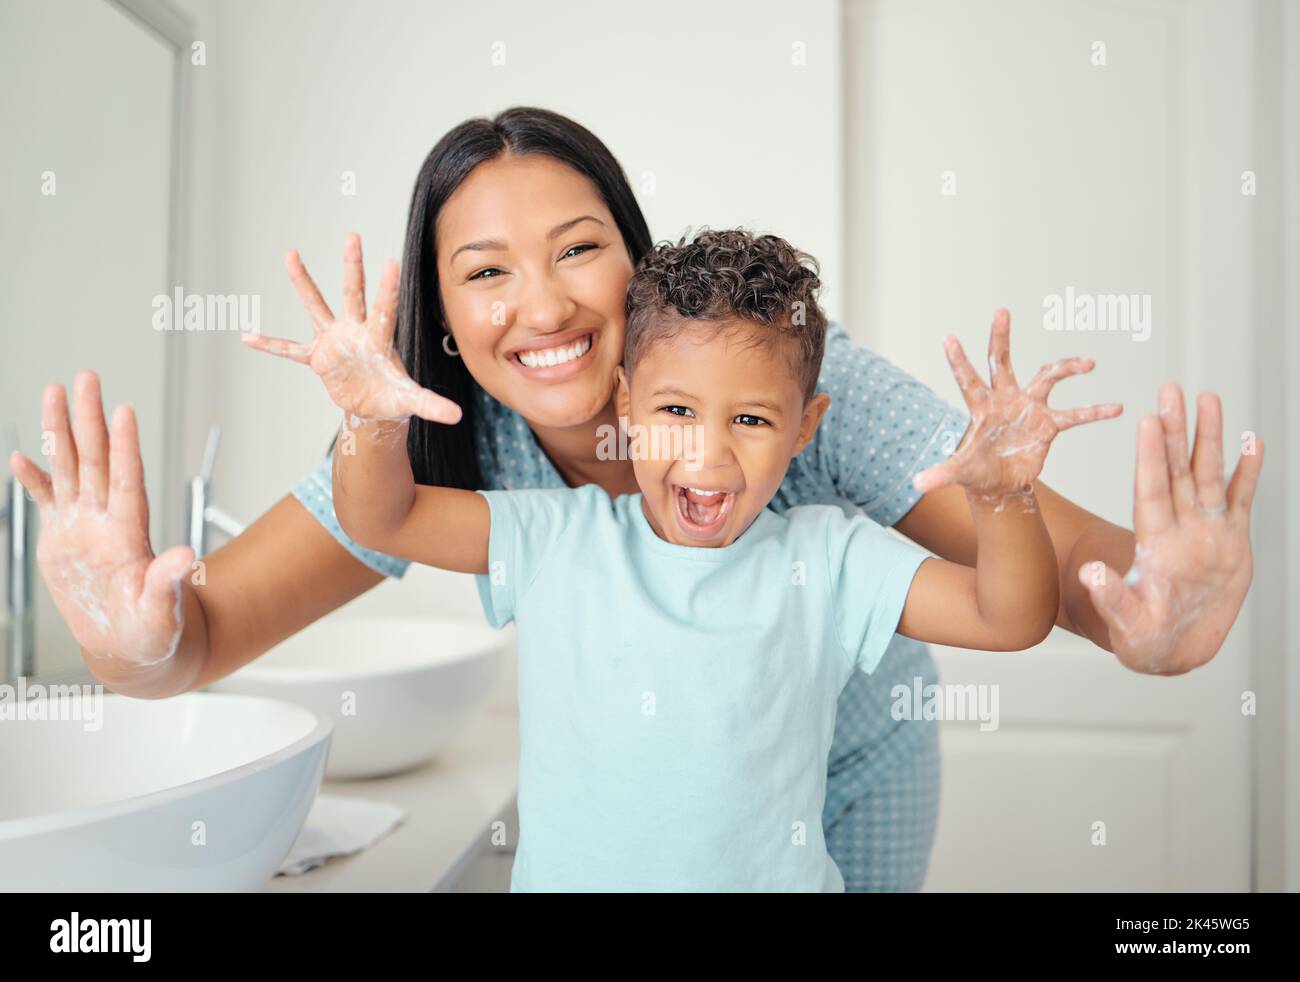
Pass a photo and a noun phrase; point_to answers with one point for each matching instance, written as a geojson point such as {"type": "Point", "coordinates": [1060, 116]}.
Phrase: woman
{"type": "Point", "coordinates": [521, 238]}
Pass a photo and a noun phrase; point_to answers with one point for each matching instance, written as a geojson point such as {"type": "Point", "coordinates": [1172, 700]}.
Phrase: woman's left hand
{"type": "Point", "coordinates": [1193, 564]}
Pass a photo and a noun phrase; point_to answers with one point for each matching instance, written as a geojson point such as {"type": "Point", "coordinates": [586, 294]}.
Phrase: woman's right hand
{"type": "Point", "coordinates": [119, 599]}
{"type": "Point", "coordinates": [354, 355]}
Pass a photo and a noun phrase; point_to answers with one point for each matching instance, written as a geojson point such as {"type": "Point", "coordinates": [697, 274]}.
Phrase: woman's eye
{"type": "Point", "coordinates": [674, 410]}
{"type": "Point", "coordinates": [753, 420]}
{"type": "Point", "coordinates": [482, 274]}
{"type": "Point", "coordinates": [577, 250]}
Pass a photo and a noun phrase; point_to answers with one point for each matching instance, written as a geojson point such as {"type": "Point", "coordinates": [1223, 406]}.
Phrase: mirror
{"type": "Point", "coordinates": [87, 180]}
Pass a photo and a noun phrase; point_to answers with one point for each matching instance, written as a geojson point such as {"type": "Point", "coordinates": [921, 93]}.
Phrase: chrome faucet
{"type": "Point", "coordinates": [202, 514]}
{"type": "Point", "coordinates": [20, 656]}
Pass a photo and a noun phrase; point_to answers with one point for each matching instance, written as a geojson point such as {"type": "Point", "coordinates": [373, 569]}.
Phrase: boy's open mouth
{"type": "Point", "coordinates": [701, 512]}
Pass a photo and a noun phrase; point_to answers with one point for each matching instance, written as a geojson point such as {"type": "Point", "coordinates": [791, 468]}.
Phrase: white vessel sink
{"type": "Point", "coordinates": [396, 687]}
{"type": "Point", "coordinates": [199, 792]}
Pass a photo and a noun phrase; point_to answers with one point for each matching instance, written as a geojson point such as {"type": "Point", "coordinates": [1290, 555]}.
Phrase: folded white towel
{"type": "Point", "coordinates": [339, 827]}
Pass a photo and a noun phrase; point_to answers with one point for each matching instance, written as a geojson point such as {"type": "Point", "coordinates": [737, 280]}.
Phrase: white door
{"type": "Point", "coordinates": [999, 154]}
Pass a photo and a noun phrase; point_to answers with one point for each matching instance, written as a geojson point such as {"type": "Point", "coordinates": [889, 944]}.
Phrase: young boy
{"type": "Point", "coordinates": [681, 650]}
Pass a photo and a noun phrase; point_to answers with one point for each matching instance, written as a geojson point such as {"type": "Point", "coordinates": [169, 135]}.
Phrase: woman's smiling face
{"type": "Point", "coordinates": [533, 274]}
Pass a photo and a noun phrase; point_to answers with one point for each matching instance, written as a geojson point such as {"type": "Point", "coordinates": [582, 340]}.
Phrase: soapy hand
{"type": "Point", "coordinates": [354, 354]}
{"type": "Point", "coordinates": [116, 596]}
{"type": "Point", "coordinates": [1011, 428]}
{"type": "Point", "coordinates": [1192, 566]}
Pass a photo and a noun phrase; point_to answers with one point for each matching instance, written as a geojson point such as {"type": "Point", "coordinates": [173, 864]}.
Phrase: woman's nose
{"type": "Point", "coordinates": [543, 304]}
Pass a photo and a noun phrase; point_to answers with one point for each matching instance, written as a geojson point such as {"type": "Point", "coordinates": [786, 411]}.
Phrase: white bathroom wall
{"type": "Point", "coordinates": [994, 160]}
{"type": "Point", "coordinates": [721, 113]}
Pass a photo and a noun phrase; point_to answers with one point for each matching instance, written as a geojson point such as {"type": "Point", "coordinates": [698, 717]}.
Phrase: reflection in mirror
{"type": "Point", "coordinates": [86, 185]}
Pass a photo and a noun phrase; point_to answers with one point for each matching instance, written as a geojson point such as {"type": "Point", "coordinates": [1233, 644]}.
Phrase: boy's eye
{"type": "Point", "coordinates": [674, 410]}
{"type": "Point", "coordinates": [482, 274]}
{"type": "Point", "coordinates": [577, 250]}
{"type": "Point", "coordinates": [747, 420]}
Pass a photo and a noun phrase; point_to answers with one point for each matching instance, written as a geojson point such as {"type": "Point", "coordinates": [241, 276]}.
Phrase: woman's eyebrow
{"type": "Point", "coordinates": [565, 226]}
{"type": "Point", "coordinates": [480, 245]}
{"type": "Point", "coordinates": [487, 245]}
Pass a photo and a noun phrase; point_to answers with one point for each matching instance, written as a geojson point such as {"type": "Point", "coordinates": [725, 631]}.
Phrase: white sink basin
{"type": "Point", "coordinates": [397, 688]}
{"type": "Point", "coordinates": [199, 792]}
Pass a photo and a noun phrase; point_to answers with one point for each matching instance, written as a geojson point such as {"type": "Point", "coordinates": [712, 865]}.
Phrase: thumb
{"type": "Point", "coordinates": [1116, 603]}
{"type": "Point", "coordinates": [162, 578]}
{"type": "Point", "coordinates": [932, 478]}
{"type": "Point", "coordinates": [435, 408]}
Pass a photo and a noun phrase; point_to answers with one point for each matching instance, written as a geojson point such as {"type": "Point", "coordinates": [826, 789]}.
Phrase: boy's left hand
{"type": "Point", "coordinates": [1011, 428]}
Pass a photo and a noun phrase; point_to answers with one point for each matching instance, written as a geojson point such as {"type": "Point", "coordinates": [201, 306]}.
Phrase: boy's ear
{"type": "Point", "coordinates": [622, 397]}
{"type": "Point", "coordinates": [812, 417]}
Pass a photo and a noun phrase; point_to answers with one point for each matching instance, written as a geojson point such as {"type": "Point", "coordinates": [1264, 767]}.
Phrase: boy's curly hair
{"type": "Point", "coordinates": [728, 275]}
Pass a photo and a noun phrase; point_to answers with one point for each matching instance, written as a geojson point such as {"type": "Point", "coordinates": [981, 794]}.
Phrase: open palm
{"type": "Point", "coordinates": [1011, 429]}
{"type": "Point", "coordinates": [118, 598]}
{"type": "Point", "coordinates": [1192, 565]}
{"type": "Point", "coordinates": [354, 354]}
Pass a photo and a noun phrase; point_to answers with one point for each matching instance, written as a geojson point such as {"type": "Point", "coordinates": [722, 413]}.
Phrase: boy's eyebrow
{"type": "Point", "coordinates": [757, 403]}
{"type": "Point", "coordinates": [487, 245]}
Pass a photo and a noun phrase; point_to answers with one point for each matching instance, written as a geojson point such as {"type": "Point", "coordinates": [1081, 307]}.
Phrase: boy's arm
{"type": "Point", "coordinates": [1010, 599]}
{"type": "Point", "coordinates": [375, 496]}
{"type": "Point", "coordinates": [380, 506]}
{"type": "Point", "coordinates": [1007, 602]}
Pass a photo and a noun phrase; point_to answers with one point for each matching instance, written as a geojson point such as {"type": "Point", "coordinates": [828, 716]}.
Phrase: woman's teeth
{"type": "Point", "coordinates": [545, 357]}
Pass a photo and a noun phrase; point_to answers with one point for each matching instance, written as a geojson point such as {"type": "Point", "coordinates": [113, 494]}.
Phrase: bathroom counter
{"type": "Point", "coordinates": [449, 802]}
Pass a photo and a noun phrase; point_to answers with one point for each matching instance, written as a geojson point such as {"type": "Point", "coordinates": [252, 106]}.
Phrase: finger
{"type": "Point", "coordinates": [354, 280]}
{"type": "Point", "coordinates": [1041, 384]}
{"type": "Point", "coordinates": [1000, 374]}
{"type": "Point", "coordinates": [1116, 603]}
{"type": "Point", "coordinates": [127, 499]}
{"type": "Point", "coordinates": [62, 448]}
{"type": "Point", "coordinates": [1207, 454]}
{"type": "Point", "coordinates": [1173, 419]}
{"type": "Point", "coordinates": [1241, 489]}
{"type": "Point", "coordinates": [163, 578]}
{"type": "Point", "coordinates": [1065, 418]}
{"type": "Point", "coordinates": [92, 440]}
{"type": "Point", "coordinates": [973, 389]}
{"type": "Point", "coordinates": [35, 480]}
{"type": "Point", "coordinates": [932, 478]}
{"type": "Point", "coordinates": [433, 407]}
{"type": "Point", "coordinates": [385, 310]}
{"type": "Point", "coordinates": [282, 347]}
{"type": "Point", "coordinates": [1153, 510]}
{"type": "Point", "coordinates": [319, 312]}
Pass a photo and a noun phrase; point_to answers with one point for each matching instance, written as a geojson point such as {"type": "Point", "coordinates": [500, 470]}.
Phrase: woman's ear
{"type": "Point", "coordinates": [622, 397]}
{"type": "Point", "coordinates": [813, 412]}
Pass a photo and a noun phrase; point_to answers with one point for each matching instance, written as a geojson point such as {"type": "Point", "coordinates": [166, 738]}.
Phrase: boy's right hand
{"type": "Point", "coordinates": [354, 354]}
{"type": "Point", "coordinates": [1011, 428]}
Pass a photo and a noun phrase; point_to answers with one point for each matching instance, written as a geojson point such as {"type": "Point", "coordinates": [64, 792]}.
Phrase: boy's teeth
{"type": "Point", "coordinates": [546, 357]}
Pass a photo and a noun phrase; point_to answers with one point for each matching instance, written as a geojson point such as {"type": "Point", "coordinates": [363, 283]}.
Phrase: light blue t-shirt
{"type": "Point", "coordinates": [677, 703]}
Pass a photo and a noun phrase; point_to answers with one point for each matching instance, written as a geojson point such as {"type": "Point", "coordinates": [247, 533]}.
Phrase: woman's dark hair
{"type": "Point", "coordinates": [442, 455]}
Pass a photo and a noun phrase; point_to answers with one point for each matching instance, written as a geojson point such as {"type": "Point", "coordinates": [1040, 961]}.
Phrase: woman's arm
{"type": "Point", "coordinates": [941, 522]}
{"type": "Point", "coordinates": [148, 626]}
